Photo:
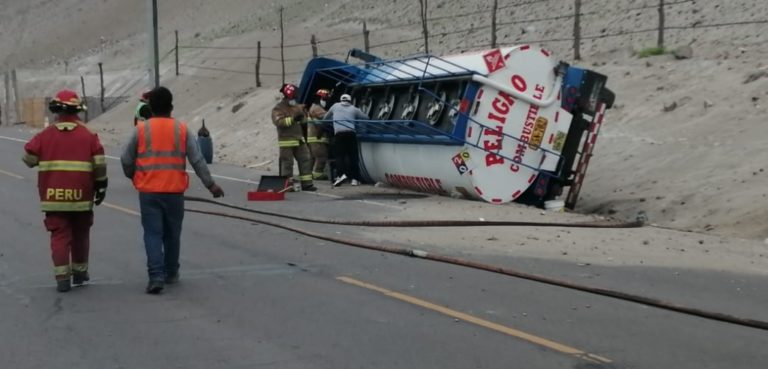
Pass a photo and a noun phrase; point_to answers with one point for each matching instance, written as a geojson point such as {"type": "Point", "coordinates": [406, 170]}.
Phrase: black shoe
{"type": "Point", "coordinates": [155, 287]}
{"type": "Point", "coordinates": [310, 188]}
{"type": "Point", "coordinates": [63, 285]}
{"type": "Point", "coordinates": [79, 279]}
{"type": "Point", "coordinates": [172, 278]}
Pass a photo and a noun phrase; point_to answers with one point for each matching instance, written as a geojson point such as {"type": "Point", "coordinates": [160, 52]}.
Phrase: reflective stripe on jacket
{"type": "Point", "coordinates": [70, 158]}
{"type": "Point", "coordinates": [289, 131]}
{"type": "Point", "coordinates": [161, 159]}
{"type": "Point", "coordinates": [316, 133]}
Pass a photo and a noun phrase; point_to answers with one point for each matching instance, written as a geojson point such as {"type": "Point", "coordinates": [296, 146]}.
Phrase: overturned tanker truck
{"type": "Point", "coordinates": [501, 125]}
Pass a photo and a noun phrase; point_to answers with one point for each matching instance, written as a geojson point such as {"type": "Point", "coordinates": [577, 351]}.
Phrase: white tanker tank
{"type": "Point", "coordinates": [499, 125]}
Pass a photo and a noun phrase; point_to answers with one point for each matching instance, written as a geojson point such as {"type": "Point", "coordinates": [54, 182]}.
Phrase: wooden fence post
{"type": "Point", "coordinates": [258, 63]}
{"type": "Point", "coordinates": [660, 42]}
{"type": "Point", "coordinates": [7, 99]}
{"type": "Point", "coordinates": [177, 51]}
{"type": "Point", "coordinates": [282, 45]}
{"type": "Point", "coordinates": [313, 42]}
{"type": "Point", "coordinates": [577, 31]}
{"type": "Point", "coordinates": [16, 100]}
{"type": "Point", "coordinates": [84, 97]}
{"type": "Point", "coordinates": [424, 28]}
{"type": "Point", "coordinates": [493, 23]}
{"type": "Point", "coordinates": [101, 83]}
{"type": "Point", "coordinates": [366, 37]}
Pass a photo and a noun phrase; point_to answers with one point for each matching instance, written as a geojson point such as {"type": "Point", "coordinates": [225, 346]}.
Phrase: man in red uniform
{"type": "Point", "coordinates": [73, 172]}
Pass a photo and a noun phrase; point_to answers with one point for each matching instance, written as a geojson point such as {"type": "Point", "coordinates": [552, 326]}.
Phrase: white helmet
{"type": "Point", "coordinates": [346, 98]}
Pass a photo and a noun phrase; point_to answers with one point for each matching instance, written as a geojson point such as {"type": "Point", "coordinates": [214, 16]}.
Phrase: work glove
{"type": "Point", "coordinates": [298, 117]}
{"type": "Point", "coordinates": [100, 191]}
{"type": "Point", "coordinates": [216, 191]}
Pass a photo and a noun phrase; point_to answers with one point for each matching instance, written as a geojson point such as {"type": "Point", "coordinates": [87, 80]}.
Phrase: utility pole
{"type": "Point", "coordinates": [155, 43]}
{"type": "Point", "coordinates": [282, 45]}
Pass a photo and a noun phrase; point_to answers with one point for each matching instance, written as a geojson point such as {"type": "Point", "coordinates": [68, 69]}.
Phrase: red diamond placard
{"type": "Point", "coordinates": [493, 60]}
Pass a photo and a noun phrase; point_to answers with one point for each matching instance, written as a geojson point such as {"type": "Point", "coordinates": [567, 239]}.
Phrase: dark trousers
{"type": "Point", "coordinates": [161, 218]}
{"type": "Point", "coordinates": [302, 156]}
{"type": "Point", "coordinates": [346, 156]}
{"type": "Point", "coordinates": [70, 241]}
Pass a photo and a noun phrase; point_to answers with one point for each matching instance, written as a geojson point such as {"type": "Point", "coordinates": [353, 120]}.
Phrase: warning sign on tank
{"type": "Point", "coordinates": [494, 60]}
{"type": "Point", "coordinates": [539, 128]}
{"type": "Point", "coordinates": [461, 161]}
{"type": "Point", "coordinates": [559, 141]}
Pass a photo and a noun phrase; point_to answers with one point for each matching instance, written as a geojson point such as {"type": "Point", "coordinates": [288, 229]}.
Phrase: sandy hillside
{"type": "Point", "coordinates": [700, 165]}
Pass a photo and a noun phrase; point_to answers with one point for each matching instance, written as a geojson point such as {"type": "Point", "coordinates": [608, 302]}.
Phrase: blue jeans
{"type": "Point", "coordinates": [161, 218]}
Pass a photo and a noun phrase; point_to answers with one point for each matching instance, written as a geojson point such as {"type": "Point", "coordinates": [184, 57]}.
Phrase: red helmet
{"type": "Point", "coordinates": [66, 101]}
{"type": "Point", "coordinates": [289, 91]}
{"type": "Point", "coordinates": [323, 94]}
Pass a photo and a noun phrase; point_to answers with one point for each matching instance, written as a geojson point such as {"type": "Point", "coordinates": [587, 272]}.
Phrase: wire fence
{"type": "Point", "coordinates": [437, 27]}
{"type": "Point", "coordinates": [480, 29]}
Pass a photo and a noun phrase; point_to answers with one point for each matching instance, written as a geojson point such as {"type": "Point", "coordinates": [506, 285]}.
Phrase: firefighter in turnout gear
{"type": "Point", "coordinates": [72, 177]}
{"type": "Point", "coordinates": [289, 117]}
{"type": "Point", "coordinates": [317, 136]}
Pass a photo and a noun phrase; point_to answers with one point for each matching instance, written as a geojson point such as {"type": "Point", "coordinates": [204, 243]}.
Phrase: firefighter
{"type": "Point", "coordinates": [72, 177]}
{"type": "Point", "coordinates": [288, 117]}
{"type": "Point", "coordinates": [317, 136]}
{"type": "Point", "coordinates": [155, 160]}
{"type": "Point", "coordinates": [143, 112]}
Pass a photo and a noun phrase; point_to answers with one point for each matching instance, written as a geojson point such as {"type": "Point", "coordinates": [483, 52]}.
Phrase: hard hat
{"type": "Point", "coordinates": [289, 91]}
{"type": "Point", "coordinates": [323, 94]}
{"type": "Point", "coordinates": [66, 101]}
{"type": "Point", "coordinates": [346, 98]}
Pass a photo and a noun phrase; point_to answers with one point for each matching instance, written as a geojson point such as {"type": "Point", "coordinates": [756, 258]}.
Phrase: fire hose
{"type": "Point", "coordinates": [657, 303]}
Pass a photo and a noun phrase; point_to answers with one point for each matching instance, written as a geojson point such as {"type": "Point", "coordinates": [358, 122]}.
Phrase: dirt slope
{"type": "Point", "coordinates": [699, 166]}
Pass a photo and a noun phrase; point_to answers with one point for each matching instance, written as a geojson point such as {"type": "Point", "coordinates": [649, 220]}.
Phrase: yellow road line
{"type": "Point", "coordinates": [14, 175]}
{"type": "Point", "coordinates": [481, 322]}
{"type": "Point", "coordinates": [120, 208]}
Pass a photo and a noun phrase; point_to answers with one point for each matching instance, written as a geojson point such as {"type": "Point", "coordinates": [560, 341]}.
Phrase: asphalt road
{"type": "Point", "coordinates": [252, 296]}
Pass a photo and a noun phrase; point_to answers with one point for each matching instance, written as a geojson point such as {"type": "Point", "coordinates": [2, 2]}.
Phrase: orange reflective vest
{"type": "Point", "coordinates": [161, 156]}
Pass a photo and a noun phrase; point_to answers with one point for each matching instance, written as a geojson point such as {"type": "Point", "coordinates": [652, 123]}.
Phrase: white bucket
{"type": "Point", "coordinates": [554, 205]}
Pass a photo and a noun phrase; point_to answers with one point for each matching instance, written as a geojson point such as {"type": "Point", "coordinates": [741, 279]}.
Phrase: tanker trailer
{"type": "Point", "coordinates": [500, 125]}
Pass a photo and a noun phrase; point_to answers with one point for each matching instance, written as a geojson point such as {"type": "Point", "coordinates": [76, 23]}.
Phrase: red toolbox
{"type": "Point", "coordinates": [271, 188]}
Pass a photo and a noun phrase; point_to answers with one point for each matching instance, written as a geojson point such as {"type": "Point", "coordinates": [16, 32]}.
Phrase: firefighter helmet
{"type": "Point", "coordinates": [323, 94]}
{"type": "Point", "coordinates": [66, 101]}
{"type": "Point", "coordinates": [289, 91]}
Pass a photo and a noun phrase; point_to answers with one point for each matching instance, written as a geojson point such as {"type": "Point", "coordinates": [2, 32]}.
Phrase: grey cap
{"type": "Point", "coordinates": [346, 98]}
